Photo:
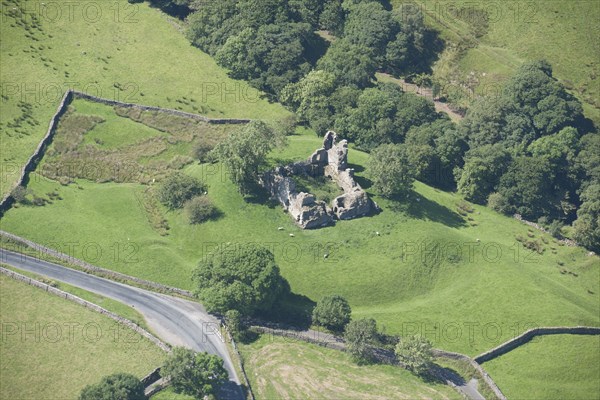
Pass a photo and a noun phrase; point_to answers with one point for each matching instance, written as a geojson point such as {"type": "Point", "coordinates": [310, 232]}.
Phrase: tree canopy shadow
{"type": "Point", "coordinates": [231, 390]}
{"type": "Point", "coordinates": [259, 195]}
{"type": "Point", "coordinates": [174, 9]}
{"type": "Point", "coordinates": [439, 375]}
{"type": "Point", "coordinates": [293, 309]}
{"type": "Point", "coordinates": [419, 207]}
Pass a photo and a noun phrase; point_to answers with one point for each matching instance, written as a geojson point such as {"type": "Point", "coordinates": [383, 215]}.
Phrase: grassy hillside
{"type": "Point", "coordinates": [482, 54]}
{"type": "Point", "coordinates": [112, 49]}
{"type": "Point", "coordinates": [43, 360]}
{"type": "Point", "coordinates": [457, 273]}
{"type": "Point", "coordinates": [550, 367]}
{"type": "Point", "coordinates": [293, 368]}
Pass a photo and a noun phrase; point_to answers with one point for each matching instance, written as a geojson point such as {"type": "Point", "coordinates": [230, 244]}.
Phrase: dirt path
{"type": "Point", "coordinates": [423, 92]}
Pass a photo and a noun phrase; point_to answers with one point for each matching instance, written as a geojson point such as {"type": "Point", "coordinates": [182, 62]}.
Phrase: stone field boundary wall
{"type": "Point", "coordinates": [530, 334]}
{"type": "Point", "coordinates": [37, 155]}
{"type": "Point", "coordinates": [333, 342]}
{"type": "Point", "coordinates": [67, 99]}
{"type": "Point", "coordinates": [482, 372]}
{"type": "Point", "coordinates": [568, 242]}
{"type": "Point", "coordinates": [117, 276]}
{"type": "Point", "coordinates": [61, 293]}
{"type": "Point", "coordinates": [329, 341]}
{"type": "Point", "coordinates": [197, 117]}
{"type": "Point", "coordinates": [154, 376]}
{"type": "Point", "coordinates": [238, 357]}
{"type": "Point", "coordinates": [146, 380]}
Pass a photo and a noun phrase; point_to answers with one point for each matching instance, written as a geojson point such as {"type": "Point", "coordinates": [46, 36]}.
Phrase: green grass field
{"type": "Point", "coordinates": [566, 33]}
{"type": "Point", "coordinates": [282, 368]}
{"type": "Point", "coordinates": [111, 305]}
{"type": "Point", "coordinates": [461, 278]}
{"type": "Point", "coordinates": [550, 367]}
{"type": "Point", "coordinates": [169, 394]}
{"type": "Point", "coordinates": [465, 281]}
{"type": "Point", "coordinates": [52, 348]}
{"type": "Point", "coordinates": [112, 49]}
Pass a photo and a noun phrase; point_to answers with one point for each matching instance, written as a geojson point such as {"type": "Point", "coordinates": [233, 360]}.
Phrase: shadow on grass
{"type": "Point", "coordinates": [364, 182]}
{"type": "Point", "coordinates": [356, 167]}
{"type": "Point", "coordinates": [248, 337]}
{"type": "Point", "coordinates": [438, 374]}
{"type": "Point", "coordinates": [426, 209]}
{"type": "Point", "coordinates": [231, 390]}
{"type": "Point", "coordinates": [259, 195]}
{"type": "Point", "coordinates": [293, 310]}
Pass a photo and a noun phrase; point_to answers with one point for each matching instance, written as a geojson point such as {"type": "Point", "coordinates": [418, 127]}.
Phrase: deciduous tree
{"type": "Point", "coordinates": [332, 312]}
{"type": "Point", "coordinates": [120, 386]}
{"type": "Point", "coordinates": [390, 171]}
{"type": "Point", "coordinates": [416, 353]}
{"type": "Point", "coordinates": [240, 277]}
{"type": "Point", "coordinates": [194, 374]}
{"type": "Point", "coordinates": [361, 335]}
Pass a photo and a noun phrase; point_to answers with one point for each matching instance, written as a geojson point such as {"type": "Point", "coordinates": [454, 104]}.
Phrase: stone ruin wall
{"type": "Point", "coordinates": [309, 213]}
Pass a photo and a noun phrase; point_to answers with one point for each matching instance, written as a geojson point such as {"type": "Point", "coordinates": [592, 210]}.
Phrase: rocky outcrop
{"type": "Point", "coordinates": [331, 161]}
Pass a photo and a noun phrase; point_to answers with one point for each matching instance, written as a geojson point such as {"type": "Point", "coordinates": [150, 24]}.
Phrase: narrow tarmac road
{"type": "Point", "coordinates": [176, 321]}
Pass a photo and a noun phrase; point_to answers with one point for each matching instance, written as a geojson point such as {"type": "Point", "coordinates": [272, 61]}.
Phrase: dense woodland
{"type": "Point", "coordinates": [527, 150]}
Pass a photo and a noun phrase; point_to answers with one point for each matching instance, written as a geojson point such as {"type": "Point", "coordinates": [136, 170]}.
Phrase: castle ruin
{"type": "Point", "coordinates": [308, 212]}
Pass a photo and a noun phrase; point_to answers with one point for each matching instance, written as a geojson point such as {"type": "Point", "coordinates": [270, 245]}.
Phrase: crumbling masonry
{"type": "Point", "coordinates": [331, 161]}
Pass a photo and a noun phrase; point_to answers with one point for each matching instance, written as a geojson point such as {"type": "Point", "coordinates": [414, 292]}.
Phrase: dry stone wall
{"type": "Point", "coordinates": [197, 117]}
{"type": "Point", "coordinates": [530, 334]}
{"type": "Point", "coordinates": [67, 99]}
{"type": "Point", "coordinates": [385, 356]}
{"type": "Point", "coordinates": [37, 155]}
{"type": "Point", "coordinates": [94, 269]}
{"type": "Point", "coordinates": [60, 293]}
